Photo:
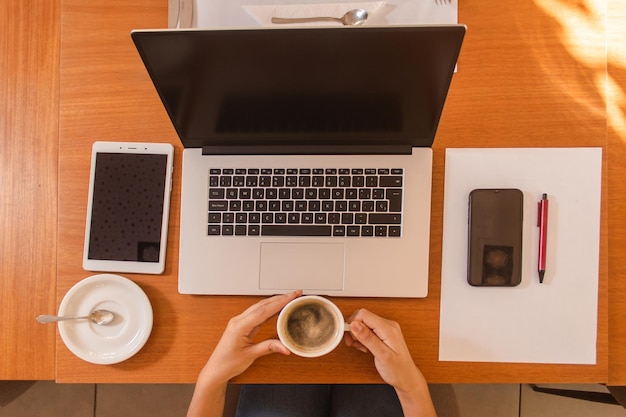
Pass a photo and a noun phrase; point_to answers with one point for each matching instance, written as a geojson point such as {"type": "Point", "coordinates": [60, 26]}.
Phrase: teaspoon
{"type": "Point", "coordinates": [101, 317]}
{"type": "Point", "coordinates": [351, 18]}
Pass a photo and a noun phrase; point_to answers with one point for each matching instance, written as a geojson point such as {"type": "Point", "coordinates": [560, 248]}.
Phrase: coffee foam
{"type": "Point", "coordinates": [311, 326]}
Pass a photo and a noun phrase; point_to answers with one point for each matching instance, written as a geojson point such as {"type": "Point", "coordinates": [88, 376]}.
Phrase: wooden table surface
{"type": "Point", "coordinates": [531, 74]}
{"type": "Point", "coordinates": [29, 132]}
{"type": "Point", "coordinates": [616, 151]}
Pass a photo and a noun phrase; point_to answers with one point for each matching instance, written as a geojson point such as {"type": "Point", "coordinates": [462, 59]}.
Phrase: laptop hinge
{"type": "Point", "coordinates": [308, 150]}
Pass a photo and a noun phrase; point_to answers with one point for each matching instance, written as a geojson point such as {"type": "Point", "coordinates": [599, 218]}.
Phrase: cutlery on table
{"type": "Point", "coordinates": [100, 317]}
{"type": "Point", "coordinates": [351, 18]}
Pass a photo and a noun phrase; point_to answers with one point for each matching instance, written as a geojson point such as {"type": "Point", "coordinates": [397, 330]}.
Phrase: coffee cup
{"type": "Point", "coordinates": [311, 326]}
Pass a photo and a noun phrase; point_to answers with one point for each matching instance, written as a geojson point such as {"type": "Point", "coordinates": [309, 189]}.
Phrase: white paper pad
{"type": "Point", "coordinates": [553, 322]}
{"type": "Point", "coordinates": [222, 14]}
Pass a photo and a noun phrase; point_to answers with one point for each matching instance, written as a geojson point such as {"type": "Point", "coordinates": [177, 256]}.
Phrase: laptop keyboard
{"type": "Point", "coordinates": [306, 202]}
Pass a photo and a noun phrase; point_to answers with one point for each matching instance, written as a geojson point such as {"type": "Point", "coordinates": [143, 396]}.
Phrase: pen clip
{"type": "Point", "coordinates": [539, 214]}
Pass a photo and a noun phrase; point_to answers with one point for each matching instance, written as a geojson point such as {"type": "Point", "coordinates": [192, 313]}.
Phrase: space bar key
{"type": "Point", "coordinates": [295, 230]}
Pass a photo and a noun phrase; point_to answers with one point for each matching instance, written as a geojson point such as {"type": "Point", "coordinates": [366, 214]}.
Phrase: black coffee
{"type": "Point", "coordinates": [311, 326]}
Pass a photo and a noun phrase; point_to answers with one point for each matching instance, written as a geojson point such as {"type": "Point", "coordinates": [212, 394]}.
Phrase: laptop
{"type": "Point", "coordinates": [307, 159]}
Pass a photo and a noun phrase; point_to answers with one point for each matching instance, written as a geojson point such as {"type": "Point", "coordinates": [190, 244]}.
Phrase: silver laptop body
{"type": "Point", "coordinates": [307, 161]}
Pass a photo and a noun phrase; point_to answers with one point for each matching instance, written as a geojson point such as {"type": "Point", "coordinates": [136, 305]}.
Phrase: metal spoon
{"type": "Point", "coordinates": [351, 18]}
{"type": "Point", "coordinates": [101, 317]}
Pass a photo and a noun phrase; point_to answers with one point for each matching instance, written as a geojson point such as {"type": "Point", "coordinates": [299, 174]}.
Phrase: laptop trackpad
{"type": "Point", "coordinates": [306, 266]}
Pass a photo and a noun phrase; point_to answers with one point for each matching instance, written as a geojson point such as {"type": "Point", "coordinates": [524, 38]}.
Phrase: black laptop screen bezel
{"type": "Point", "coordinates": [366, 86]}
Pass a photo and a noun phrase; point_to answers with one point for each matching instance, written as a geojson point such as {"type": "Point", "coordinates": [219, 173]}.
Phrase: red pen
{"type": "Point", "coordinates": [542, 223]}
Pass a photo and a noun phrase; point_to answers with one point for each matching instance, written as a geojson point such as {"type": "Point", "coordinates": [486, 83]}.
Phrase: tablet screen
{"type": "Point", "coordinates": [127, 207]}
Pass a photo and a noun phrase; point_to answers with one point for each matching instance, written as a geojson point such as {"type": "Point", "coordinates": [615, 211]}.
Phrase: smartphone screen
{"type": "Point", "coordinates": [128, 207]}
{"type": "Point", "coordinates": [495, 237]}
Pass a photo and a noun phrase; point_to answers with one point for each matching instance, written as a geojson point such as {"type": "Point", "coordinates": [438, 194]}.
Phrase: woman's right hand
{"type": "Point", "coordinates": [384, 339]}
{"type": "Point", "coordinates": [393, 361]}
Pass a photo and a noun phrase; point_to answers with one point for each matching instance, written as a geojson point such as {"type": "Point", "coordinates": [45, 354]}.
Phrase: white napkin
{"type": "Point", "coordinates": [263, 13]}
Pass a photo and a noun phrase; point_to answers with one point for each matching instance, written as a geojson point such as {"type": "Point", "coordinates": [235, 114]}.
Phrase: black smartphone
{"type": "Point", "coordinates": [495, 237]}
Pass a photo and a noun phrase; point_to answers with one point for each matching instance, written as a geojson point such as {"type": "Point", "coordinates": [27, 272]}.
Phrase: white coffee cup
{"type": "Point", "coordinates": [311, 326]}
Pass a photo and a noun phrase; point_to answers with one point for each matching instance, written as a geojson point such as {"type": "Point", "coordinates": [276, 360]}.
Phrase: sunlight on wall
{"type": "Point", "coordinates": [586, 30]}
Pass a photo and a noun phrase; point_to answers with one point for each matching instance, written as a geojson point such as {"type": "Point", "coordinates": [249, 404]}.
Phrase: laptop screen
{"type": "Point", "coordinates": [318, 86]}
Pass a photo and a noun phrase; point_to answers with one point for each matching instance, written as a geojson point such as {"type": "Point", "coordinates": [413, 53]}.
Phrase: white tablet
{"type": "Point", "coordinates": [128, 208]}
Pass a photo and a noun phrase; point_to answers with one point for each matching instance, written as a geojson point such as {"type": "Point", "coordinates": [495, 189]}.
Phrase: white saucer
{"type": "Point", "coordinates": [117, 341]}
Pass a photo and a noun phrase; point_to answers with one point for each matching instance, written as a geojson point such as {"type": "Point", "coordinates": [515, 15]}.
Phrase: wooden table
{"type": "Point", "coordinates": [616, 151]}
{"type": "Point", "coordinates": [29, 131]}
{"type": "Point", "coordinates": [524, 79]}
